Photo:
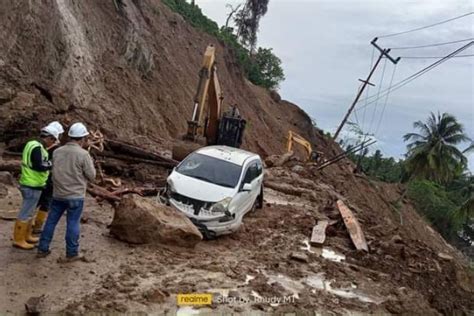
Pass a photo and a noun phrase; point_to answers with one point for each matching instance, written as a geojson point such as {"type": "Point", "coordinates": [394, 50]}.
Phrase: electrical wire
{"type": "Point", "coordinates": [417, 74]}
{"type": "Point", "coordinates": [433, 45]}
{"type": "Point", "coordinates": [434, 57]}
{"type": "Point", "coordinates": [404, 82]}
{"type": "Point", "coordinates": [386, 99]}
{"type": "Point", "coordinates": [368, 87]}
{"type": "Point", "coordinates": [369, 130]}
{"type": "Point", "coordinates": [427, 26]}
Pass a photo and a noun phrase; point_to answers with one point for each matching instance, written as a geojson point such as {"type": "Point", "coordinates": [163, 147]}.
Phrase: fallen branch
{"type": "Point", "coordinates": [121, 147]}
{"type": "Point", "coordinates": [138, 160]}
{"type": "Point", "coordinates": [98, 191]}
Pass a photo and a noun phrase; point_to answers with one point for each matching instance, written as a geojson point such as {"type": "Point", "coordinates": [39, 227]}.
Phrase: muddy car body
{"type": "Point", "coordinates": [215, 187]}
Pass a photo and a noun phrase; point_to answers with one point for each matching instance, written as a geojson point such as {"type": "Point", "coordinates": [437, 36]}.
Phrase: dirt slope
{"type": "Point", "coordinates": [131, 70]}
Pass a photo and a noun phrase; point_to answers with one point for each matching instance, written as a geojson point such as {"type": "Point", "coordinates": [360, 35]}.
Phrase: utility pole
{"type": "Point", "coordinates": [383, 53]}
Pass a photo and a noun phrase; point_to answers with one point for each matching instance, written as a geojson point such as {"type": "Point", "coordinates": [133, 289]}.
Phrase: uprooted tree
{"type": "Point", "coordinates": [247, 21]}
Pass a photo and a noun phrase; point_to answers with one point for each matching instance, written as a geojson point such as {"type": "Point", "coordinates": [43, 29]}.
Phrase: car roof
{"type": "Point", "coordinates": [231, 154]}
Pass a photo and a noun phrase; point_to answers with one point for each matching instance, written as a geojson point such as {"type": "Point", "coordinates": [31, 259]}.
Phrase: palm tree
{"type": "Point", "coordinates": [433, 154]}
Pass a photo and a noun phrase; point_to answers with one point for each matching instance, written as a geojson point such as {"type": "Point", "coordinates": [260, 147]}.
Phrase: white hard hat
{"type": "Point", "coordinates": [57, 126]}
{"type": "Point", "coordinates": [78, 130]}
{"type": "Point", "coordinates": [51, 131]}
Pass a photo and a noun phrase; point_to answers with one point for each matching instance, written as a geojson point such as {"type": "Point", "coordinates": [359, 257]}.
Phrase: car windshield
{"type": "Point", "coordinates": [211, 170]}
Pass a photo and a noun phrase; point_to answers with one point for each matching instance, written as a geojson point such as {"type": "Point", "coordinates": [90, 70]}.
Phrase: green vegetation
{"type": "Point", "coordinates": [435, 172]}
{"type": "Point", "coordinates": [433, 154]}
{"type": "Point", "coordinates": [262, 68]}
{"type": "Point", "coordinates": [435, 203]}
{"type": "Point", "coordinates": [379, 167]}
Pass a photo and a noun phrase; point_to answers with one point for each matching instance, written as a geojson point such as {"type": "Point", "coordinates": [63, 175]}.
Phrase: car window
{"type": "Point", "coordinates": [211, 170]}
{"type": "Point", "coordinates": [251, 173]}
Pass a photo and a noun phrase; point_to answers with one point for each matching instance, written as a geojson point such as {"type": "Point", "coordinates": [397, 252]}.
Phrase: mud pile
{"type": "Point", "coordinates": [130, 70]}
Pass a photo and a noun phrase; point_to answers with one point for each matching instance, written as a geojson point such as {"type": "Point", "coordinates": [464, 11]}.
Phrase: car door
{"type": "Point", "coordinates": [244, 199]}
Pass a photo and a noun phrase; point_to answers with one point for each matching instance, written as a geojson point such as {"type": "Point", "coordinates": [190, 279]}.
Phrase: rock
{"type": "Point", "coordinates": [139, 220]}
{"type": "Point", "coordinates": [445, 256]}
{"type": "Point", "coordinates": [275, 96]}
{"type": "Point", "coordinates": [156, 296]}
{"type": "Point", "coordinates": [396, 239]}
{"type": "Point", "coordinates": [6, 95]}
{"type": "Point", "coordinates": [6, 178]}
{"type": "Point", "coordinates": [299, 256]}
{"type": "Point", "coordinates": [298, 169]}
{"type": "Point", "coordinates": [34, 305]}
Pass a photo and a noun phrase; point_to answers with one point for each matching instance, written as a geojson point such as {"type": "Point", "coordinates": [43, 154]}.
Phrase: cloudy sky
{"type": "Point", "coordinates": [325, 48]}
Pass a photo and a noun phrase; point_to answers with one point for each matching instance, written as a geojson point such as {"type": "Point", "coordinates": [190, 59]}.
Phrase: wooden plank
{"type": "Point", "coordinates": [353, 226]}
{"type": "Point", "coordinates": [319, 233]}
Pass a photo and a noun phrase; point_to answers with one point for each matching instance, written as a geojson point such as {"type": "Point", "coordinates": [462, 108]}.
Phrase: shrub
{"type": "Point", "coordinates": [262, 69]}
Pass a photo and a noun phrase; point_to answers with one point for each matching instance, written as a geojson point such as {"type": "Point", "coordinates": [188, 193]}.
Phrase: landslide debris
{"type": "Point", "coordinates": [139, 220]}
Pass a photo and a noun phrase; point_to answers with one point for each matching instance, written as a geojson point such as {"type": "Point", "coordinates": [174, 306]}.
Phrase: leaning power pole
{"type": "Point", "coordinates": [383, 53]}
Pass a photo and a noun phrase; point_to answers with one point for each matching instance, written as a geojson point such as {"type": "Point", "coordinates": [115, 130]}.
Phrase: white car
{"type": "Point", "coordinates": [215, 187]}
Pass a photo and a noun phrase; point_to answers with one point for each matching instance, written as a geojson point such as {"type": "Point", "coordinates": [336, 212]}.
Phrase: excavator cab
{"type": "Point", "coordinates": [231, 128]}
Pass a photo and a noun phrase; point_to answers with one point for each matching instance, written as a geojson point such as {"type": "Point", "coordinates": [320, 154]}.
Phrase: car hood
{"type": "Point", "coordinates": [198, 189]}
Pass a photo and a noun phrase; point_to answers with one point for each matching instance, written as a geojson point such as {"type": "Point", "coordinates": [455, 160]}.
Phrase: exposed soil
{"type": "Point", "coordinates": [131, 71]}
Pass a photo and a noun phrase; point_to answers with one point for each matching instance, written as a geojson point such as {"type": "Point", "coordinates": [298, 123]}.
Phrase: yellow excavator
{"type": "Point", "coordinates": [310, 153]}
{"type": "Point", "coordinates": [208, 124]}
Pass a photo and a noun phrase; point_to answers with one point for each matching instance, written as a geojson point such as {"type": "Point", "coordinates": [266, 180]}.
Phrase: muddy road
{"type": "Point", "coordinates": [267, 266]}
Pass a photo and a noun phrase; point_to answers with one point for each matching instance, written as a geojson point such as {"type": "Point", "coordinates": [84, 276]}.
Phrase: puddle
{"type": "Point", "coordinates": [332, 255]}
{"type": "Point", "coordinates": [248, 278]}
{"type": "Point", "coordinates": [223, 292]}
{"type": "Point", "coordinates": [307, 246]}
{"type": "Point", "coordinates": [316, 281]}
{"type": "Point", "coordinates": [187, 310]}
{"type": "Point", "coordinates": [319, 282]}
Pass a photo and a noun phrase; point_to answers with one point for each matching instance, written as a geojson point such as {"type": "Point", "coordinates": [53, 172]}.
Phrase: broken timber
{"type": "Point", "coordinates": [319, 233]}
{"type": "Point", "coordinates": [353, 226]}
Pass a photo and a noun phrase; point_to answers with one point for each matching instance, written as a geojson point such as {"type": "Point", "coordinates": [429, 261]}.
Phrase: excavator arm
{"type": "Point", "coordinates": [208, 124]}
{"type": "Point", "coordinates": [294, 137]}
{"type": "Point", "coordinates": [207, 101]}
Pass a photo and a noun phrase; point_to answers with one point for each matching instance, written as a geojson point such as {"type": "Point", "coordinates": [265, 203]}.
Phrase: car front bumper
{"type": "Point", "coordinates": [211, 225]}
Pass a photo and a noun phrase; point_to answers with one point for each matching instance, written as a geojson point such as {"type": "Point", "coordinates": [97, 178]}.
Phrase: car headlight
{"type": "Point", "coordinates": [221, 206]}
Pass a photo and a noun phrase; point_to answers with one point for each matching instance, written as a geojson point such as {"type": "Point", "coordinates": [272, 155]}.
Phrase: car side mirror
{"type": "Point", "coordinates": [247, 187]}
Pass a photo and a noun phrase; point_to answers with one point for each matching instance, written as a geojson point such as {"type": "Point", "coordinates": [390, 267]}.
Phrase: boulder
{"type": "Point", "coordinates": [140, 220]}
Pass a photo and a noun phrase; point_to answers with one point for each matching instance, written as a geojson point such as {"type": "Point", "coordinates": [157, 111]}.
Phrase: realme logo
{"type": "Point", "coordinates": [194, 299]}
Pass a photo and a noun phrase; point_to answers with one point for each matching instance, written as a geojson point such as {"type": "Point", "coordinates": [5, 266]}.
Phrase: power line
{"type": "Point", "coordinates": [407, 80]}
{"type": "Point", "coordinates": [386, 99]}
{"type": "Point", "coordinates": [368, 88]}
{"type": "Point", "coordinates": [434, 45]}
{"type": "Point", "coordinates": [378, 94]}
{"type": "Point", "coordinates": [437, 57]}
{"type": "Point", "coordinates": [427, 26]}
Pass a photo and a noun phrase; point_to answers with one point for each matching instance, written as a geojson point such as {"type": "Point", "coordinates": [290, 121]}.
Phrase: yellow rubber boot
{"type": "Point", "coordinates": [19, 235]}
{"type": "Point", "coordinates": [29, 234]}
{"type": "Point", "coordinates": [39, 221]}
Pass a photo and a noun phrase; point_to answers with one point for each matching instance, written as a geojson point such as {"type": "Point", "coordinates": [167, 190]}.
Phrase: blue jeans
{"type": "Point", "coordinates": [73, 216]}
{"type": "Point", "coordinates": [30, 201]}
